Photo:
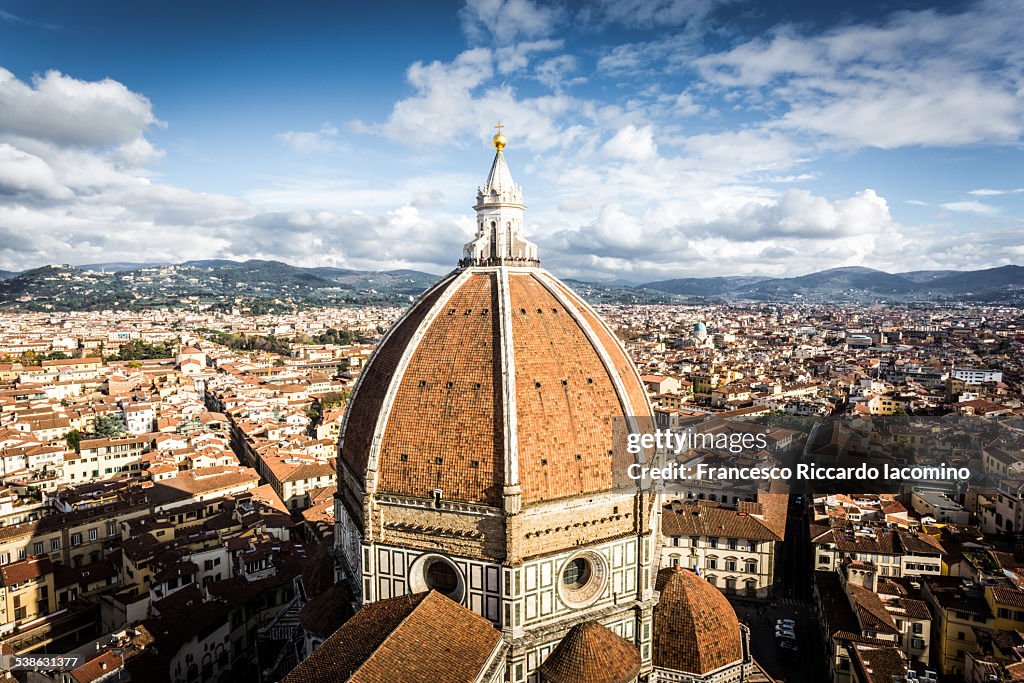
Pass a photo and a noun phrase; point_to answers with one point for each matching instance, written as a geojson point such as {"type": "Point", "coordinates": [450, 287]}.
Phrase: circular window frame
{"type": "Point", "coordinates": [420, 568]}
{"type": "Point", "coordinates": [594, 586]}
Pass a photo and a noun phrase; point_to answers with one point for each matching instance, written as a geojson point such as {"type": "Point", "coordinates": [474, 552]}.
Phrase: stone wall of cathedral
{"type": "Point", "coordinates": [565, 524]}
{"type": "Point", "coordinates": [465, 530]}
{"type": "Point", "coordinates": [393, 571]}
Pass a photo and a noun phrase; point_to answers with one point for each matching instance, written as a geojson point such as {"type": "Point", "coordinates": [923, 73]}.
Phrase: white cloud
{"type": "Point", "coordinates": [761, 61]}
{"type": "Point", "coordinates": [914, 78]}
{"type": "Point", "coordinates": [630, 59]}
{"type": "Point", "coordinates": [442, 107]}
{"type": "Point", "coordinates": [747, 150]}
{"type": "Point", "coordinates": [515, 57]}
{"type": "Point", "coordinates": [971, 207]}
{"type": "Point", "coordinates": [800, 214]}
{"type": "Point", "coordinates": [67, 111]}
{"type": "Point", "coordinates": [667, 166]}
{"type": "Point", "coordinates": [452, 106]}
{"type": "Point", "coordinates": [795, 232]}
{"type": "Point", "coordinates": [14, 18]}
{"type": "Point", "coordinates": [793, 178]}
{"type": "Point", "coordinates": [985, 192]}
{"type": "Point", "coordinates": [554, 72]}
{"type": "Point", "coordinates": [23, 173]}
{"type": "Point", "coordinates": [138, 153]}
{"type": "Point", "coordinates": [636, 144]}
{"type": "Point", "coordinates": [686, 105]}
{"type": "Point", "coordinates": [776, 253]}
{"type": "Point", "coordinates": [310, 142]}
{"type": "Point", "coordinates": [507, 21]}
{"type": "Point", "coordinates": [915, 108]}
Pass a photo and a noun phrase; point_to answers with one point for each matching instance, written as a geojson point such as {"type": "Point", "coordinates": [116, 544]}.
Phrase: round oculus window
{"type": "Point", "coordinates": [583, 579]}
{"type": "Point", "coordinates": [436, 572]}
{"type": "Point", "coordinates": [441, 577]}
{"type": "Point", "coordinates": [576, 574]}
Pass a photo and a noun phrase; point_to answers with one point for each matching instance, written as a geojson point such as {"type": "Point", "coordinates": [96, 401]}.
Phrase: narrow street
{"type": "Point", "coordinates": [794, 600]}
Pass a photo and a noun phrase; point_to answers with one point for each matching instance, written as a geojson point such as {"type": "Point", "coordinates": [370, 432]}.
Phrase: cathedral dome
{"type": "Point", "coordinates": [494, 377]}
{"type": "Point", "coordinates": [499, 383]}
{"type": "Point", "coordinates": [695, 628]}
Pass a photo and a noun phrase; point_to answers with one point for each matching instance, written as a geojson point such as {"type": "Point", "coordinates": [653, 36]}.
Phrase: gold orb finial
{"type": "Point", "coordinates": [499, 139]}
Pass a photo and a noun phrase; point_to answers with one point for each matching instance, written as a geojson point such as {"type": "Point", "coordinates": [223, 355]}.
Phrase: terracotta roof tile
{"type": "Point", "coordinates": [695, 627]}
{"type": "Point", "coordinates": [871, 610]}
{"type": "Point", "coordinates": [620, 359]}
{"type": "Point", "coordinates": [374, 381]}
{"type": "Point", "coordinates": [565, 399]}
{"type": "Point", "coordinates": [693, 518]}
{"type": "Point", "coordinates": [97, 667]}
{"type": "Point", "coordinates": [422, 638]}
{"type": "Point", "coordinates": [325, 614]}
{"type": "Point", "coordinates": [451, 390]}
{"type": "Point", "coordinates": [24, 570]}
{"type": "Point", "coordinates": [591, 653]}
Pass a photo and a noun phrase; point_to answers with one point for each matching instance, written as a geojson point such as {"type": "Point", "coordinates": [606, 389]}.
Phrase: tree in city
{"type": "Point", "coordinates": [74, 439]}
{"type": "Point", "coordinates": [141, 350]}
{"type": "Point", "coordinates": [333, 399]}
{"type": "Point", "coordinates": [107, 426]}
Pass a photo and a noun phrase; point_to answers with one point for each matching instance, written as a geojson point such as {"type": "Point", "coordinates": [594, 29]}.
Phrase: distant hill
{"type": "Point", "coordinates": [835, 281]}
{"type": "Point", "coordinates": [259, 286]}
{"type": "Point", "coordinates": [405, 282]}
{"type": "Point", "coordinates": [5, 274]}
{"type": "Point", "coordinates": [702, 286]}
{"type": "Point", "coordinates": [334, 272]}
{"type": "Point", "coordinates": [926, 275]}
{"type": "Point", "coordinates": [267, 273]}
{"type": "Point", "coordinates": [616, 282]}
{"type": "Point", "coordinates": [254, 286]}
{"type": "Point", "coordinates": [859, 284]}
{"type": "Point", "coordinates": [596, 293]}
{"type": "Point", "coordinates": [212, 263]}
{"type": "Point", "coordinates": [980, 280]}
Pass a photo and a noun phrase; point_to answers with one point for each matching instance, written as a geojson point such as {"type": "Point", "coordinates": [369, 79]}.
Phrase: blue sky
{"type": "Point", "coordinates": [652, 138]}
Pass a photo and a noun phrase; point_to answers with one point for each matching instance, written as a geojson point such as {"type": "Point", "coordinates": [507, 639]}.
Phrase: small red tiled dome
{"type": "Point", "coordinates": [591, 653]}
{"type": "Point", "coordinates": [695, 628]}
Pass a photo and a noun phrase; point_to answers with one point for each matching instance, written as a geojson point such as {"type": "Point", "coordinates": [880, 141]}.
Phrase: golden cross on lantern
{"type": "Point", "coordinates": [499, 139]}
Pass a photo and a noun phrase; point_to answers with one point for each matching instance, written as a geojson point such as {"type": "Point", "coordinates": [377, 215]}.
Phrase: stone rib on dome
{"type": "Point", "coordinates": [565, 399]}
{"type": "Point", "coordinates": [431, 409]}
{"type": "Point", "coordinates": [445, 429]}
{"type": "Point", "coordinates": [591, 653]}
{"type": "Point", "coordinates": [695, 628]}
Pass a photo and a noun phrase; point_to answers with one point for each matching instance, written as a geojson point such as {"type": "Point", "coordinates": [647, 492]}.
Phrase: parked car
{"type": "Point", "coordinates": [789, 646]}
{"type": "Point", "coordinates": [785, 633]}
{"type": "Point", "coordinates": [785, 623]}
